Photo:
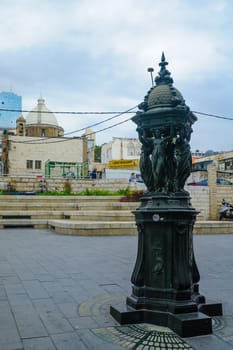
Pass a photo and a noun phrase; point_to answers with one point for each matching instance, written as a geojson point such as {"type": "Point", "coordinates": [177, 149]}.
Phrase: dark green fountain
{"type": "Point", "coordinates": [165, 278]}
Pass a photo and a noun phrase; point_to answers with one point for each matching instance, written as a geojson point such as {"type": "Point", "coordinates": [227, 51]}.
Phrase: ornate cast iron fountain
{"type": "Point", "coordinates": [165, 278]}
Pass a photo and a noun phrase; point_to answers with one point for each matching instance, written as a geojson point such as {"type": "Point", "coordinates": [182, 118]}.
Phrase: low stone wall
{"type": "Point", "coordinates": [200, 200]}
{"type": "Point", "coordinates": [28, 184]}
{"type": "Point", "coordinates": [206, 199]}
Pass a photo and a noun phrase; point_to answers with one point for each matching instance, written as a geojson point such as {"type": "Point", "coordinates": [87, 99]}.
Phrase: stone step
{"type": "Point", "coordinates": [99, 215]}
{"type": "Point", "coordinates": [19, 206]}
{"type": "Point", "coordinates": [74, 227]}
{"type": "Point", "coordinates": [60, 199]}
{"type": "Point", "coordinates": [87, 215]}
{"type": "Point", "coordinates": [213, 227]}
{"type": "Point", "coordinates": [33, 205]}
{"type": "Point", "coordinates": [95, 228]}
{"type": "Point", "coordinates": [31, 214]}
{"type": "Point", "coordinates": [15, 223]}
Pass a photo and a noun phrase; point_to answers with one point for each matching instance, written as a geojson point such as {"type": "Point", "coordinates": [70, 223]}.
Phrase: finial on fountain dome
{"type": "Point", "coordinates": [164, 74]}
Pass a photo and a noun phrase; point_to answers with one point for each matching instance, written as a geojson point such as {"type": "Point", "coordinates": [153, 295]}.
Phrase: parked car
{"type": "Point", "coordinates": [204, 182]}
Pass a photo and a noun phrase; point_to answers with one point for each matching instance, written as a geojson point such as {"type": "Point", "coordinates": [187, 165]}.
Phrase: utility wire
{"type": "Point", "coordinates": [115, 116]}
{"type": "Point", "coordinates": [98, 123]}
{"type": "Point", "coordinates": [101, 112]}
{"type": "Point", "coordinates": [73, 138]}
{"type": "Point", "coordinates": [213, 115]}
{"type": "Point", "coordinates": [61, 112]}
{"type": "Point", "coordinates": [86, 127]}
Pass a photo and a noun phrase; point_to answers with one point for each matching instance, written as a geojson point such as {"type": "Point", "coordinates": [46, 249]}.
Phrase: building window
{"type": "Point", "coordinates": [29, 164]}
{"type": "Point", "coordinates": [37, 164]}
{"type": "Point", "coordinates": [130, 149]}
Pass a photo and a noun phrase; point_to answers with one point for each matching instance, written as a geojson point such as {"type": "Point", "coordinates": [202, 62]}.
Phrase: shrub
{"type": "Point", "coordinates": [98, 192]}
{"type": "Point", "coordinates": [134, 196]}
{"type": "Point", "coordinates": [87, 192]}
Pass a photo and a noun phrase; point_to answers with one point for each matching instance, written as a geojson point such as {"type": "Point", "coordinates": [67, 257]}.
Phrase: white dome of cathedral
{"type": "Point", "coordinates": [41, 115]}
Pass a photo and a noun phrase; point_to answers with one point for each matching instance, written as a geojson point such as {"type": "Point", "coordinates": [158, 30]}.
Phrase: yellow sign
{"type": "Point", "coordinates": [123, 164]}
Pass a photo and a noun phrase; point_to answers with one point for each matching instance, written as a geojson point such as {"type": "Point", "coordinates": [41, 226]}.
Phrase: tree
{"type": "Point", "coordinates": [97, 154]}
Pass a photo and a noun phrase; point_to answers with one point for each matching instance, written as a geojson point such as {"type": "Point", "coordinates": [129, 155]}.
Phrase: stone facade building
{"type": "Point", "coordinates": [120, 149]}
{"type": "Point", "coordinates": [38, 139]}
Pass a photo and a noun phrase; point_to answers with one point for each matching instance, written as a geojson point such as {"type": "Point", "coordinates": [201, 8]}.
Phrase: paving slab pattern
{"type": "Point", "coordinates": [55, 293]}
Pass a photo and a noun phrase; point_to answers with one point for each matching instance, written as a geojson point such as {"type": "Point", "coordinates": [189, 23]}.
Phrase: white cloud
{"type": "Point", "coordinates": [84, 55]}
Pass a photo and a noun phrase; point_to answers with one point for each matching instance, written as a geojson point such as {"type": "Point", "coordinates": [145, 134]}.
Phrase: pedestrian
{"type": "Point", "coordinates": [132, 178]}
{"type": "Point", "coordinates": [94, 174]}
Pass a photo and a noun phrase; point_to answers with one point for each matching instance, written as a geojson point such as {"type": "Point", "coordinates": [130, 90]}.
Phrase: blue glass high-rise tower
{"type": "Point", "coordinates": [9, 101]}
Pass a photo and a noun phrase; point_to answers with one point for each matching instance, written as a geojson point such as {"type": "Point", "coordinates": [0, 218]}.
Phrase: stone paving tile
{"type": "Point", "coordinates": [210, 342]}
{"type": "Point", "coordinates": [227, 308]}
{"type": "Point", "coordinates": [35, 290]}
{"type": "Point", "coordinates": [45, 277]}
{"type": "Point", "coordinates": [19, 300]}
{"type": "Point", "coordinates": [83, 322]}
{"type": "Point", "coordinates": [14, 288]}
{"type": "Point", "coordinates": [6, 269]}
{"type": "Point", "coordinates": [77, 293]}
{"type": "Point", "coordinates": [52, 287]}
{"type": "Point", "coordinates": [69, 341]}
{"type": "Point", "coordinates": [3, 295]}
{"type": "Point", "coordinates": [63, 297]}
{"type": "Point", "coordinates": [105, 320]}
{"type": "Point", "coordinates": [95, 343]}
{"type": "Point", "coordinates": [26, 276]}
{"type": "Point", "coordinates": [39, 344]}
{"type": "Point", "coordinates": [57, 273]}
{"type": "Point", "coordinates": [9, 337]}
{"type": "Point", "coordinates": [112, 288]}
{"type": "Point", "coordinates": [69, 282]}
{"type": "Point", "coordinates": [12, 279]}
{"type": "Point", "coordinates": [52, 318]}
{"type": "Point", "coordinates": [69, 310]}
{"type": "Point", "coordinates": [28, 323]}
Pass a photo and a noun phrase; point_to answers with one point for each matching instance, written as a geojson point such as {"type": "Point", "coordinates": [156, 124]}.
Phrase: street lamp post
{"type": "Point", "coordinates": [151, 70]}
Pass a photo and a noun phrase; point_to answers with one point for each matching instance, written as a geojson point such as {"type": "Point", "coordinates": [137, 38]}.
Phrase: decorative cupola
{"type": "Point", "coordinates": [165, 100]}
{"type": "Point", "coordinates": [42, 122]}
{"type": "Point", "coordinates": [165, 119]}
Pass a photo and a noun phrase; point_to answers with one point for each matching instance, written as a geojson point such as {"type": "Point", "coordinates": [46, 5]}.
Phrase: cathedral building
{"type": "Point", "coordinates": [39, 139]}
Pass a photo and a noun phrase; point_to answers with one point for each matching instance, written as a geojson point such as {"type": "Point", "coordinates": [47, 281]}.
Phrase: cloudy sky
{"type": "Point", "coordinates": [93, 55]}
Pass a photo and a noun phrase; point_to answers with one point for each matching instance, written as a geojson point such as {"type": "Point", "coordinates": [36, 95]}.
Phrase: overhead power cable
{"type": "Point", "coordinates": [63, 112]}
{"type": "Point", "coordinates": [213, 115]}
{"type": "Point", "coordinates": [101, 112]}
{"type": "Point", "coordinates": [118, 114]}
{"type": "Point", "coordinates": [69, 139]}
{"type": "Point", "coordinates": [115, 116]}
{"type": "Point", "coordinates": [82, 129]}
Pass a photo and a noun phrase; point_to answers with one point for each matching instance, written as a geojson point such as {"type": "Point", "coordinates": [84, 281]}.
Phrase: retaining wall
{"type": "Point", "coordinates": [28, 184]}
{"type": "Point", "coordinates": [206, 199]}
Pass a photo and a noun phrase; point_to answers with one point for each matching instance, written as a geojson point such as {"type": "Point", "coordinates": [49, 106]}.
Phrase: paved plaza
{"type": "Point", "coordinates": [55, 292]}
